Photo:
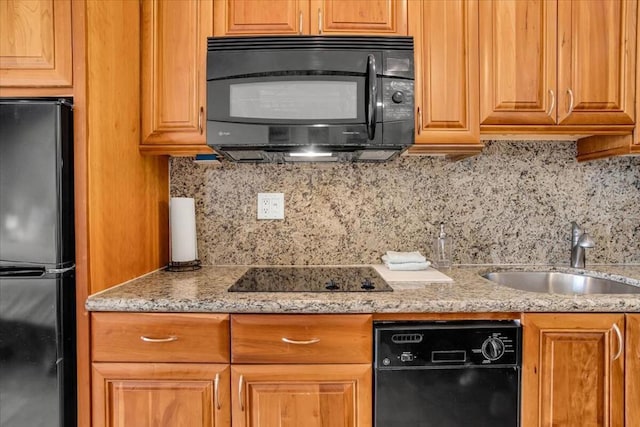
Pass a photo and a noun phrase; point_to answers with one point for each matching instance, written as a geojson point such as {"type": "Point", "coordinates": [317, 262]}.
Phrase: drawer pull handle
{"type": "Point", "coordinates": [620, 342]}
{"type": "Point", "coordinates": [553, 102]}
{"type": "Point", "coordinates": [170, 338]}
{"type": "Point", "coordinates": [303, 342]}
{"type": "Point", "coordinates": [240, 394]}
{"type": "Point", "coordinates": [216, 383]}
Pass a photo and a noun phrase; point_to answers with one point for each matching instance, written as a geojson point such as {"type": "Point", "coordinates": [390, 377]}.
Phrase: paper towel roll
{"type": "Point", "coordinates": [182, 226]}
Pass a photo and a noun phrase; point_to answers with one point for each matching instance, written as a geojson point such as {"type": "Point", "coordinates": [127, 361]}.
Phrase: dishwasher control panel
{"type": "Point", "coordinates": [450, 343]}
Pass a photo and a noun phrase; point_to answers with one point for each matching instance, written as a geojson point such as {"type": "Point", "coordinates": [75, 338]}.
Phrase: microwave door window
{"type": "Point", "coordinates": [300, 100]}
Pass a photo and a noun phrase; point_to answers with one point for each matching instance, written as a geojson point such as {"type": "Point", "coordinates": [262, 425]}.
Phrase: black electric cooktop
{"type": "Point", "coordinates": [310, 279]}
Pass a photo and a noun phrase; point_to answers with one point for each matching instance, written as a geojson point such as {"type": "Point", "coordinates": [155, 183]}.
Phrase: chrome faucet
{"type": "Point", "coordinates": [580, 240]}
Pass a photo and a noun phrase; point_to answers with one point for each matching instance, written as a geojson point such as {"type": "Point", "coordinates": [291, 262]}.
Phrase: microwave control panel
{"type": "Point", "coordinates": [397, 99]}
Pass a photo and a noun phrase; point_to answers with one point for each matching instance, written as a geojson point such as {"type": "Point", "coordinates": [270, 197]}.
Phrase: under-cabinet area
{"type": "Point", "coordinates": [316, 369]}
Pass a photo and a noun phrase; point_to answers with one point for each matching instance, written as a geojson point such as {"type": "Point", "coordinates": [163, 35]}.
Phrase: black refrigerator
{"type": "Point", "coordinates": [37, 263]}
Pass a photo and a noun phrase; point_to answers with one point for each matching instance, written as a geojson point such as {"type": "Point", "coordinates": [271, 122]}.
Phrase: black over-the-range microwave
{"type": "Point", "coordinates": [310, 98]}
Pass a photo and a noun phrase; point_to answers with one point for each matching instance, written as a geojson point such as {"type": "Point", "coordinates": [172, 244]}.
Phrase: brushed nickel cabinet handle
{"type": "Point", "coordinates": [419, 121]}
{"type": "Point", "coordinates": [200, 119]}
{"type": "Point", "coordinates": [300, 22]}
{"type": "Point", "coordinates": [570, 93]}
{"type": "Point", "coordinates": [301, 342]}
{"type": "Point", "coordinates": [216, 395]}
{"type": "Point", "coordinates": [319, 21]}
{"type": "Point", "coordinates": [553, 102]}
{"type": "Point", "coordinates": [240, 394]}
{"type": "Point", "coordinates": [170, 338]}
{"type": "Point", "coordinates": [620, 342]}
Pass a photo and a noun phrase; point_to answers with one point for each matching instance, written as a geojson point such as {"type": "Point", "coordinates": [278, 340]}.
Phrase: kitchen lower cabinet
{"type": "Point", "coordinates": [301, 395]}
{"type": "Point", "coordinates": [632, 371]}
{"type": "Point", "coordinates": [293, 370]}
{"type": "Point", "coordinates": [573, 370]}
{"type": "Point", "coordinates": [160, 369]}
{"type": "Point", "coordinates": [160, 394]}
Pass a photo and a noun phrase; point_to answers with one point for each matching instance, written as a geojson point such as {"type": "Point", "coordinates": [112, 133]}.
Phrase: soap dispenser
{"type": "Point", "coordinates": [442, 250]}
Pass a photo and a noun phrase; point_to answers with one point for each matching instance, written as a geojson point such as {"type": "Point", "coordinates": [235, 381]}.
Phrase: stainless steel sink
{"type": "Point", "coordinates": [554, 282]}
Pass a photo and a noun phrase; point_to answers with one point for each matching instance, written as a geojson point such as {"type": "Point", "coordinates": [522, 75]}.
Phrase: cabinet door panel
{"type": "Point", "coordinates": [385, 17]}
{"type": "Point", "coordinates": [302, 395]}
{"type": "Point", "coordinates": [518, 62]}
{"type": "Point", "coordinates": [572, 370]}
{"type": "Point", "coordinates": [596, 81]}
{"type": "Point", "coordinates": [146, 394]}
{"type": "Point", "coordinates": [35, 43]}
{"type": "Point", "coordinates": [174, 48]}
{"type": "Point", "coordinates": [446, 65]}
{"type": "Point", "coordinates": [256, 17]}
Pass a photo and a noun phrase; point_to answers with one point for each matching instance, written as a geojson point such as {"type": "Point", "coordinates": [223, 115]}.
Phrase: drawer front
{"type": "Point", "coordinates": [267, 338]}
{"type": "Point", "coordinates": [151, 337]}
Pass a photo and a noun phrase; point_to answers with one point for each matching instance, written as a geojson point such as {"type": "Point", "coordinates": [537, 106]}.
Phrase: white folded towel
{"type": "Point", "coordinates": [408, 266]}
{"type": "Point", "coordinates": [402, 257]}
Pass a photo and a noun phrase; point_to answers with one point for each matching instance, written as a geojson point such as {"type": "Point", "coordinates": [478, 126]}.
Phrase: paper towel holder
{"type": "Point", "coordinates": [175, 266]}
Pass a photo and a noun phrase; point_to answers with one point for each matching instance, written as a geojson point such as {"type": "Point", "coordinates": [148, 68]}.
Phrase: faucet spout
{"type": "Point", "coordinates": [580, 240]}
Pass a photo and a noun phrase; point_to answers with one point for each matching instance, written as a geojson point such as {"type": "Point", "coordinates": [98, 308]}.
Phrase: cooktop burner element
{"type": "Point", "coordinates": [310, 279]}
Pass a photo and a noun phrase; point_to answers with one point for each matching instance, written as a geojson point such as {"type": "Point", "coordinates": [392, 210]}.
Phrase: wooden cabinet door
{"type": "Point", "coordinates": [383, 17]}
{"type": "Point", "coordinates": [174, 49]}
{"type": "Point", "coordinates": [446, 66]}
{"type": "Point", "coordinates": [596, 60]}
{"type": "Point", "coordinates": [160, 394]}
{"type": "Point", "coordinates": [301, 395]}
{"type": "Point", "coordinates": [632, 370]}
{"type": "Point", "coordinates": [573, 370]}
{"type": "Point", "coordinates": [518, 62]}
{"type": "Point", "coordinates": [259, 17]}
{"type": "Point", "coordinates": [35, 43]}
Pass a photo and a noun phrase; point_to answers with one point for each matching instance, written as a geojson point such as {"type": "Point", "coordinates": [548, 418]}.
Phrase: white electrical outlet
{"type": "Point", "coordinates": [270, 205]}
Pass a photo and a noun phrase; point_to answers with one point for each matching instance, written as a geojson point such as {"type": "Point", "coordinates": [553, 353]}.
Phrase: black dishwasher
{"type": "Point", "coordinates": [447, 374]}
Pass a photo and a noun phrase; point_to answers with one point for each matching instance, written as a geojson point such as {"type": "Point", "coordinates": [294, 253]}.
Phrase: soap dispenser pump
{"type": "Point", "coordinates": [442, 250]}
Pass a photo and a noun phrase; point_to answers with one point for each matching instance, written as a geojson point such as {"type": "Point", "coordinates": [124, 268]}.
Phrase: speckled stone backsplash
{"type": "Point", "coordinates": [512, 204]}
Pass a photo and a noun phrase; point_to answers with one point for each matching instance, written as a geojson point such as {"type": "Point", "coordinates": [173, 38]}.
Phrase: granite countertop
{"type": "Point", "coordinates": [205, 290]}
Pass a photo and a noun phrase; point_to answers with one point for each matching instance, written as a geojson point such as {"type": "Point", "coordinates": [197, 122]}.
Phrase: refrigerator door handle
{"type": "Point", "coordinates": [25, 271]}
{"type": "Point", "coordinates": [21, 271]}
{"type": "Point", "coordinates": [59, 270]}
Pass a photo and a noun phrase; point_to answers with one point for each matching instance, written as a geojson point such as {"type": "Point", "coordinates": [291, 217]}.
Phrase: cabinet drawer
{"type": "Point", "coordinates": [267, 338]}
{"type": "Point", "coordinates": [150, 337]}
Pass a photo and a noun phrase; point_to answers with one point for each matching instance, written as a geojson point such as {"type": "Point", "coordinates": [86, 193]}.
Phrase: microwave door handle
{"type": "Point", "coordinates": [371, 96]}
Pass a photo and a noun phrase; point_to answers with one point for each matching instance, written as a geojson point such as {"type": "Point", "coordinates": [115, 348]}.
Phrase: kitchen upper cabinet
{"type": "Point", "coordinates": [541, 66]}
{"type": "Point", "coordinates": [173, 75]}
{"type": "Point", "coordinates": [35, 44]}
{"type": "Point", "coordinates": [596, 75]}
{"type": "Point", "coordinates": [382, 17]}
{"type": "Point", "coordinates": [632, 370]}
{"type": "Point", "coordinates": [597, 147]}
{"type": "Point", "coordinates": [282, 17]}
{"type": "Point", "coordinates": [518, 62]}
{"type": "Point", "coordinates": [573, 370]}
{"type": "Point", "coordinates": [301, 395]}
{"type": "Point", "coordinates": [446, 66]}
